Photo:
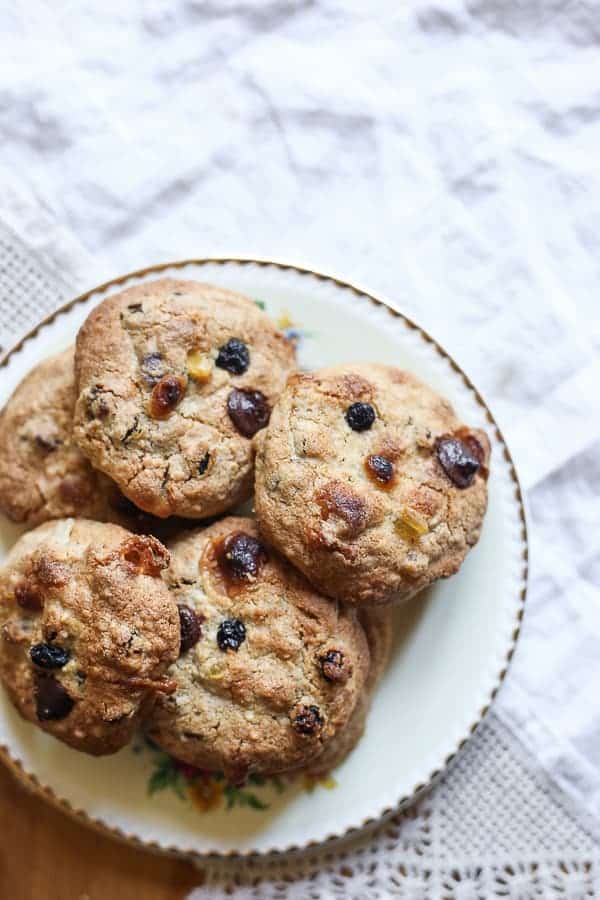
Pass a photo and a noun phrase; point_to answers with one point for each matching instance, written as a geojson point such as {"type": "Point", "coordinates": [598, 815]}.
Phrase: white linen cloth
{"type": "Point", "coordinates": [443, 153]}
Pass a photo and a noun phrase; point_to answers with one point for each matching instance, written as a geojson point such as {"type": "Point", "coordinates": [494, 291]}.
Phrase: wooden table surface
{"type": "Point", "coordinates": [44, 855]}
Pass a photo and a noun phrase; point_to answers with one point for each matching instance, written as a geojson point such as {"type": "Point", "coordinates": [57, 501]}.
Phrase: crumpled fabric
{"type": "Point", "coordinates": [442, 154]}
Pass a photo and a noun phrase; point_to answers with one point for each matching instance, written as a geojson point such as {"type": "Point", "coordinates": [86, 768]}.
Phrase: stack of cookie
{"type": "Point", "coordinates": [243, 645]}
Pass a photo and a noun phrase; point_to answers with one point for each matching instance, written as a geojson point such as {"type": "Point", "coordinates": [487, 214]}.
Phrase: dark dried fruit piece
{"type": "Point", "coordinates": [189, 626]}
{"type": "Point", "coordinates": [240, 555]}
{"type": "Point", "coordinates": [380, 469]}
{"type": "Point", "coordinates": [231, 634]}
{"type": "Point", "coordinates": [135, 307]}
{"type": "Point", "coordinates": [249, 411]}
{"type": "Point", "coordinates": [308, 720]}
{"type": "Point", "coordinates": [360, 416]}
{"type": "Point", "coordinates": [29, 596]}
{"type": "Point", "coordinates": [49, 656]}
{"type": "Point", "coordinates": [47, 444]}
{"type": "Point", "coordinates": [96, 407]}
{"type": "Point", "coordinates": [334, 667]}
{"type": "Point", "coordinates": [52, 702]}
{"type": "Point", "coordinates": [457, 460]}
{"type": "Point", "coordinates": [152, 367]}
{"type": "Point", "coordinates": [233, 356]}
{"type": "Point", "coordinates": [203, 463]}
{"type": "Point", "coordinates": [165, 396]}
{"type": "Point", "coordinates": [476, 448]}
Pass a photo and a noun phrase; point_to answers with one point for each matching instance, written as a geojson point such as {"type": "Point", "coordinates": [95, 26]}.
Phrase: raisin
{"type": "Point", "coordinates": [203, 463]}
{"type": "Point", "coordinates": [457, 460]}
{"type": "Point", "coordinates": [47, 444]}
{"type": "Point", "coordinates": [380, 469]}
{"type": "Point", "coordinates": [152, 367]}
{"type": "Point", "coordinates": [96, 407]}
{"type": "Point", "coordinates": [29, 596]}
{"type": "Point", "coordinates": [308, 720]}
{"type": "Point", "coordinates": [231, 634]}
{"type": "Point", "coordinates": [334, 667]}
{"type": "Point", "coordinates": [241, 555]}
{"type": "Point", "coordinates": [49, 656]}
{"type": "Point", "coordinates": [189, 626]}
{"type": "Point", "coordinates": [165, 396]}
{"type": "Point", "coordinates": [248, 410]}
{"type": "Point", "coordinates": [360, 416]}
{"type": "Point", "coordinates": [233, 356]}
{"type": "Point", "coordinates": [51, 699]}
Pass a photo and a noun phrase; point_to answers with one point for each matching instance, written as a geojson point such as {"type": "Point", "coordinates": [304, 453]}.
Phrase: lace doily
{"type": "Point", "coordinates": [494, 826]}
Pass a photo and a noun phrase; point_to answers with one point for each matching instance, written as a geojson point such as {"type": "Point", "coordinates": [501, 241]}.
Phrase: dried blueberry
{"type": "Point", "coordinates": [231, 634]}
{"type": "Point", "coordinates": [379, 469]}
{"type": "Point", "coordinates": [233, 356]}
{"type": "Point", "coordinates": [241, 555]}
{"type": "Point", "coordinates": [360, 416]}
{"type": "Point", "coordinates": [457, 460]}
{"type": "Point", "coordinates": [333, 666]}
{"type": "Point", "coordinates": [248, 410]}
{"type": "Point", "coordinates": [51, 699]}
{"type": "Point", "coordinates": [308, 720]}
{"type": "Point", "coordinates": [203, 463]}
{"type": "Point", "coordinates": [152, 367]}
{"type": "Point", "coordinates": [49, 656]}
{"type": "Point", "coordinates": [166, 395]}
{"type": "Point", "coordinates": [189, 626]}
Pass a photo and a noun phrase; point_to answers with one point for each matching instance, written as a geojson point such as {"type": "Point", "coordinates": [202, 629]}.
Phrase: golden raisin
{"type": "Point", "coordinates": [166, 395]}
{"type": "Point", "coordinates": [199, 366]}
{"type": "Point", "coordinates": [410, 525]}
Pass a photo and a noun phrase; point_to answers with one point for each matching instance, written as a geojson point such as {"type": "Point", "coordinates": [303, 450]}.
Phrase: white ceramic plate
{"type": "Point", "coordinates": [452, 646]}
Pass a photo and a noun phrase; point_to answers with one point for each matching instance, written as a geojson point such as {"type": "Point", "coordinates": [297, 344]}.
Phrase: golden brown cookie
{"type": "Point", "coordinates": [369, 483]}
{"type": "Point", "coordinates": [43, 474]}
{"type": "Point", "coordinates": [175, 379]}
{"type": "Point", "coordinates": [269, 672]}
{"type": "Point", "coordinates": [88, 629]}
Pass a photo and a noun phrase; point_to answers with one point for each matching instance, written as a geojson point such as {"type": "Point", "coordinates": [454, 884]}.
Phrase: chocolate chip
{"type": "Point", "coordinates": [52, 701]}
{"type": "Point", "coordinates": [231, 634]}
{"type": "Point", "coordinates": [457, 460]}
{"type": "Point", "coordinates": [165, 396]}
{"type": "Point", "coordinates": [308, 720]}
{"type": "Point", "coordinates": [248, 410]}
{"type": "Point", "coordinates": [49, 656]}
{"type": "Point", "coordinates": [152, 367]}
{"type": "Point", "coordinates": [379, 469]}
{"type": "Point", "coordinates": [240, 555]}
{"type": "Point", "coordinates": [203, 463]}
{"type": "Point", "coordinates": [233, 356]}
{"type": "Point", "coordinates": [360, 416]}
{"type": "Point", "coordinates": [334, 667]}
{"type": "Point", "coordinates": [189, 626]}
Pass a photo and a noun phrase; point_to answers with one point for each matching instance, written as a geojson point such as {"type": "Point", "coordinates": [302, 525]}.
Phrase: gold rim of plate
{"type": "Point", "coordinates": [31, 782]}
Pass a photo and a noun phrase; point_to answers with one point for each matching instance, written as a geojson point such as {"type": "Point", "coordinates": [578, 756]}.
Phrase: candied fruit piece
{"type": "Point", "coordinates": [410, 525]}
{"type": "Point", "coordinates": [199, 366]}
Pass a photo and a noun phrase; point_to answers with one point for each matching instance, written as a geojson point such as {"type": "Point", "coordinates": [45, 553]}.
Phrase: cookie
{"type": "Point", "coordinates": [175, 379]}
{"type": "Point", "coordinates": [369, 483]}
{"type": "Point", "coordinates": [378, 627]}
{"type": "Point", "coordinates": [43, 474]}
{"type": "Point", "coordinates": [88, 629]}
{"type": "Point", "coordinates": [270, 671]}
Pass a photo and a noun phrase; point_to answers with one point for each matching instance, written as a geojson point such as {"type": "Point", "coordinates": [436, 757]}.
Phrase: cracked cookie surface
{"type": "Point", "coordinates": [255, 691]}
{"type": "Point", "coordinates": [43, 474]}
{"type": "Point", "coordinates": [175, 379]}
{"type": "Point", "coordinates": [88, 629]}
{"type": "Point", "coordinates": [369, 483]}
